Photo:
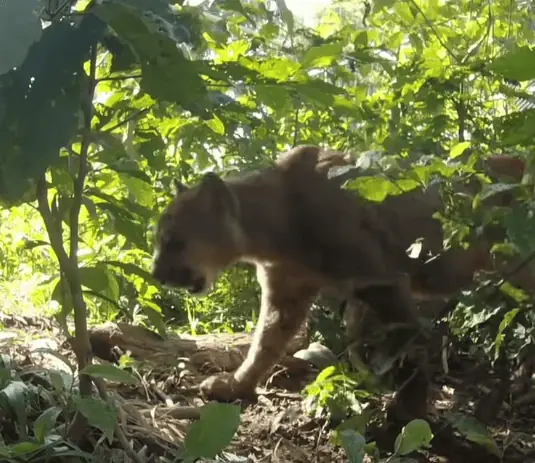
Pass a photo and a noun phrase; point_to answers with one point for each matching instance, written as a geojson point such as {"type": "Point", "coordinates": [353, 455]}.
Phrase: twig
{"type": "Point", "coordinates": [128, 119]}
{"type": "Point", "coordinates": [101, 387]}
{"type": "Point", "coordinates": [432, 27]}
{"type": "Point", "coordinates": [56, 240]}
{"type": "Point", "coordinates": [82, 170]}
{"type": "Point", "coordinates": [104, 79]}
{"type": "Point", "coordinates": [296, 127]}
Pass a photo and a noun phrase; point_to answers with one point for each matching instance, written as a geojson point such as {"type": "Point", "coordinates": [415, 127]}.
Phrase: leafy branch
{"type": "Point", "coordinates": [69, 262]}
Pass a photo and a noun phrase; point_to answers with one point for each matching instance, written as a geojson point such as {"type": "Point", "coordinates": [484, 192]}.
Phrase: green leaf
{"type": "Point", "coordinates": [373, 188]}
{"type": "Point", "coordinates": [23, 448]}
{"type": "Point", "coordinates": [414, 436]}
{"type": "Point", "coordinates": [322, 55]}
{"type": "Point", "coordinates": [519, 223]}
{"type": "Point", "coordinates": [153, 313]}
{"type": "Point", "coordinates": [506, 321]}
{"type": "Point", "coordinates": [15, 393]}
{"type": "Point", "coordinates": [42, 101]}
{"type": "Point", "coordinates": [353, 444]}
{"type": "Point", "coordinates": [518, 64]}
{"type": "Point", "coordinates": [475, 431]}
{"type": "Point", "coordinates": [125, 225]}
{"type": "Point", "coordinates": [356, 422]}
{"type": "Point", "coordinates": [109, 372]}
{"type": "Point", "coordinates": [130, 167]}
{"type": "Point", "coordinates": [216, 125]}
{"type": "Point", "coordinates": [61, 381]}
{"type": "Point", "coordinates": [19, 28]}
{"type": "Point", "coordinates": [166, 73]}
{"type": "Point", "coordinates": [326, 373]}
{"type": "Point", "coordinates": [459, 149]}
{"type": "Point", "coordinates": [142, 191]}
{"type": "Point", "coordinates": [133, 269]}
{"type": "Point", "coordinates": [516, 128]}
{"type": "Point", "coordinates": [62, 179]}
{"type": "Point", "coordinates": [379, 5]}
{"type": "Point", "coordinates": [213, 432]}
{"type": "Point", "coordinates": [274, 96]}
{"type": "Point", "coordinates": [131, 230]}
{"type": "Point", "coordinates": [100, 281]}
{"type": "Point", "coordinates": [318, 91]}
{"type": "Point", "coordinates": [45, 422]}
{"type": "Point", "coordinates": [123, 206]}
{"type": "Point", "coordinates": [98, 413]}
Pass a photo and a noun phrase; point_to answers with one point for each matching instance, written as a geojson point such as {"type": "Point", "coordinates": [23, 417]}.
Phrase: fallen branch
{"type": "Point", "coordinates": [207, 353]}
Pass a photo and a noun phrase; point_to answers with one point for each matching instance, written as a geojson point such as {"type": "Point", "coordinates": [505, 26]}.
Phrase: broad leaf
{"type": "Point", "coordinates": [518, 64]}
{"type": "Point", "coordinates": [520, 223]}
{"type": "Point", "coordinates": [373, 188]}
{"type": "Point", "coordinates": [100, 280]}
{"type": "Point", "coordinates": [474, 431]}
{"type": "Point", "coordinates": [414, 436]}
{"type": "Point", "coordinates": [166, 73]}
{"type": "Point", "coordinates": [459, 149]}
{"type": "Point", "coordinates": [353, 444]}
{"type": "Point", "coordinates": [133, 269]}
{"type": "Point", "coordinates": [110, 372]}
{"type": "Point", "coordinates": [322, 56]}
{"type": "Point", "coordinates": [213, 432]}
{"type": "Point", "coordinates": [16, 393]}
{"type": "Point", "coordinates": [42, 100]}
{"type": "Point", "coordinates": [45, 422]}
{"type": "Point", "coordinates": [98, 413]}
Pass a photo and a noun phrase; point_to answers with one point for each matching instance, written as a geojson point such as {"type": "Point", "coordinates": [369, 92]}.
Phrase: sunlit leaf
{"type": "Point", "coordinates": [166, 73]}
{"type": "Point", "coordinates": [216, 125]}
{"type": "Point", "coordinates": [322, 55]}
{"type": "Point", "coordinates": [373, 188]}
{"type": "Point", "coordinates": [459, 149]}
{"type": "Point", "coordinates": [414, 436]}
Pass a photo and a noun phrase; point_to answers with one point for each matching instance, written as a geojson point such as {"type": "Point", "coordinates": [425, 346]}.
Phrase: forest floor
{"type": "Point", "coordinates": [155, 416]}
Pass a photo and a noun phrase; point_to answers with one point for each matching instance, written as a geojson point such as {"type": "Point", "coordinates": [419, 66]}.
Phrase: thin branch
{"type": "Point", "coordinates": [56, 240]}
{"type": "Point", "coordinates": [82, 170]}
{"type": "Point", "coordinates": [296, 127]}
{"type": "Point", "coordinates": [132, 116]}
{"type": "Point", "coordinates": [432, 27]}
{"type": "Point", "coordinates": [81, 344]}
{"type": "Point", "coordinates": [104, 79]}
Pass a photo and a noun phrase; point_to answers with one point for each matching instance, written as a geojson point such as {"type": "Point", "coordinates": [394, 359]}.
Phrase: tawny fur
{"type": "Point", "coordinates": [304, 233]}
